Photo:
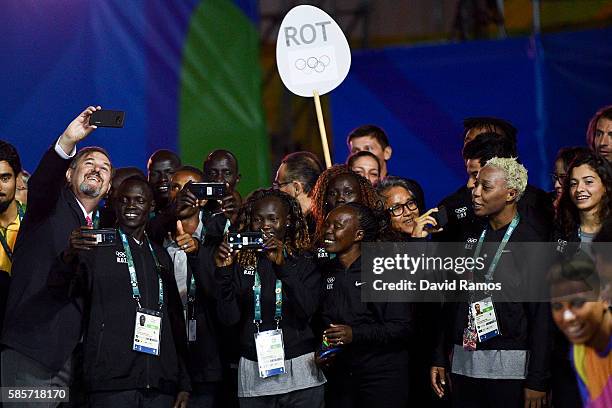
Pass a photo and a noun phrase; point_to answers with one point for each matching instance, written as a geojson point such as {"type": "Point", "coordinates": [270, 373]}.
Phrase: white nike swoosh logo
{"type": "Point", "coordinates": [357, 284]}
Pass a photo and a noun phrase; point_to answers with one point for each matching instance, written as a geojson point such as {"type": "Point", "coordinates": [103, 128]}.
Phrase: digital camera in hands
{"type": "Point", "coordinates": [245, 240]}
{"type": "Point", "coordinates": [103, 236]}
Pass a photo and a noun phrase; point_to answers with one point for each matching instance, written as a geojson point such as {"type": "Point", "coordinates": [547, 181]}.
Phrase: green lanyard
{"type": "Point", "coordinates": [278, 291]}
{"type": "Point", "coordinates": [96, 219]}
{"type": "Point", "coordinates": [500, 249]}
{"type": "Point", "coordinates": [132, 269]}
{"type": "Point", "coordinates": [3, 242]}
{"type": "Point", "coordinates": [192, 285]}
{"type": "Point", "coordinates": [20, 211]}
{"type": "Point", "coordinates": [191, 290]}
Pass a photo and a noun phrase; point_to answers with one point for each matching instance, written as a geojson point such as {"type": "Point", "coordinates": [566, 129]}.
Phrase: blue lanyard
{"type": "Point", "coordinates": [192, 284]}
{"type": "Point", "coordinates": [278, 291]}
{"type": "Point", "coordinates": [132, 269]}
{"type": "Point", "coordinates": [500, 249]}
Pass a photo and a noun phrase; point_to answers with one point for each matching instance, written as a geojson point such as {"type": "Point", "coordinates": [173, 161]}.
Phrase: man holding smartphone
{"type": "Point", "coordinates": [221, 166]}
{"type": "Point", "coordinates": [40, 331]}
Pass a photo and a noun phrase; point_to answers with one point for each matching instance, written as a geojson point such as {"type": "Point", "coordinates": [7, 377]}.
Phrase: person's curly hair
{"type": "Point", "coordinates": [368, 194]}
{"type": "Point", "coordinates": [296, 237]}
{"type": "Point", "coordinates": [568, 217]}
{"type": "Point", "coordinates": [515, 173]}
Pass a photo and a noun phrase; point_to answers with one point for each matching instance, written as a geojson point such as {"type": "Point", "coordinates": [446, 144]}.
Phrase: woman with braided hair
{"type": "Point", "coordinates": [271, 295]}
{"type": "Point", "coordinates": [339, 185]}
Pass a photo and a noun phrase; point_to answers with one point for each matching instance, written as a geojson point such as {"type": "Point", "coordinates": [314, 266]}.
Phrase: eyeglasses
{"type": "Point", "coordinates": [560, 178]}
{"type": "Point", "coordinates": [277, 186]}
{"type": "Point", "coordinates": [398, 209]}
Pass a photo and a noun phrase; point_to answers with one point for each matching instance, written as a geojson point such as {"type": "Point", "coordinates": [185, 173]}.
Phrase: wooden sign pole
{"type": "Point", "coordinates": [317, 100]}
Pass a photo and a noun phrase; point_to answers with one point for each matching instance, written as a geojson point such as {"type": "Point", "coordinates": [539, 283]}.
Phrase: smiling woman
{"type": "Point", "coordinates": [271, 295]}
{"type": "Point", "coordinates": [585, 320]}
{"type": "Point", "coordinates": [371, 339]}
{"type": "Point", "coordinates": [585, 202]}
{"type": "Point", "coordinates": [366, 164]}
{"type": "Point", "coordinates": [405, 201]}
{"type": "Point", "coordinates": [339, 185]}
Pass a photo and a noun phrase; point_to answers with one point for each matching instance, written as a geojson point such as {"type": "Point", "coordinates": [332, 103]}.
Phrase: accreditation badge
{"type": "Point", "coordinates": [191, 330]}
{"type": "Point", "coordinates": [270, 352]}
{"type": "Point", "coordinates": [147, 331]}
{"type": "Point", "coordinates": [485, 320]}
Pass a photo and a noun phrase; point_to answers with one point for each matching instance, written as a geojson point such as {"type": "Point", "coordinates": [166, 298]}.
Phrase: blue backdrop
{"type": "Point", "coordinates": [548, 87]}
{"type": "Point", "coordinates": [147, 57]}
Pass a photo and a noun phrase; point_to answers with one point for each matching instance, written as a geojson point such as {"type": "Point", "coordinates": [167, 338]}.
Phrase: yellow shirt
{"type": "Point", "coordinates": [10, 233]}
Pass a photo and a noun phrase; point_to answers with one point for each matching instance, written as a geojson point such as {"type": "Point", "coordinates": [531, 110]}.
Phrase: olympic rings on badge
{"type": "Point", "coordinates": [312, 64]}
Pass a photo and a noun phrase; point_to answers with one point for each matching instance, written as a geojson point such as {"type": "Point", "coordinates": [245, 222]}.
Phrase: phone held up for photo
{"type": "Point", "coordinates": [208, 191]}
{"type": "Point", "coordinates": [441, 216]}
{"type": "Point", "coordinates": [245, 240]}
{"type": "Point", "coordinates": [103, 236]}
{"type": "Point", "coordinates": [107, 118]}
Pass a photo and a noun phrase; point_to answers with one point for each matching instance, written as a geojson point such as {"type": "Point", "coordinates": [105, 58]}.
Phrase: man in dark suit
{"type": "Point", "coordinates": [41, 331]}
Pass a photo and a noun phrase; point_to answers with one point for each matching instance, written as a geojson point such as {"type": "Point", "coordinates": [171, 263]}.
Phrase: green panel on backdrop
{"type": "Point", "coordinates": [220, 99]}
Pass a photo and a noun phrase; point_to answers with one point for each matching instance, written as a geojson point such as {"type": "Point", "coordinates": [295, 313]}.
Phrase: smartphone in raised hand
{"type": "Point", "coordinates": [107, 118]}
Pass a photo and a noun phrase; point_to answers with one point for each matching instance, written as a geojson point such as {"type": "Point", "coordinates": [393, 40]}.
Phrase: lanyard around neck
{"type": "Point", "coordinates": [132, 269]}
{"type": "Point", "coordinates": [20, 211]}
{"type": "Point", "coordinates": [96, 219]}
{"type": "Point", "coordinates": [192, 290]}
{"type": "Point", "coordinates": [278, 292]}
{"type": "Point", "coordinates": [500, 248]}
{"type": "Point", "coordinates": [3, 238]}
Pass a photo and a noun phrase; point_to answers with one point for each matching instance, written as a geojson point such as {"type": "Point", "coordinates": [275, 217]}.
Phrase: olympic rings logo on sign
{"type": "Point", "coordinates": [312, 64]}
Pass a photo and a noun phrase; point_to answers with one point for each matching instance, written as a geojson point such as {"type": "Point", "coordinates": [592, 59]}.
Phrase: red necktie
{"type": "Point", "coordinates": [88, 221]}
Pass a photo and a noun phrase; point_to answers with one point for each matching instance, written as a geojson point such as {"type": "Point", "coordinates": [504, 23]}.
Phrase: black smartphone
{"type": "Point", "coordinates": [207, 191]}
{"type": "Point", "coordinates": [441, 216]}
{"type": "Point", "coordinates": [104, 236]}
{"type": "Point", "coordinates": [107, 118]}
{"type": "Point", "coordinates": [245, 240]}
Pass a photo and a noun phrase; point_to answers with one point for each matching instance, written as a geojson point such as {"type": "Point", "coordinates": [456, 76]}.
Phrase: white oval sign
{"type": "Point", "coordinates": [312, 53]}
